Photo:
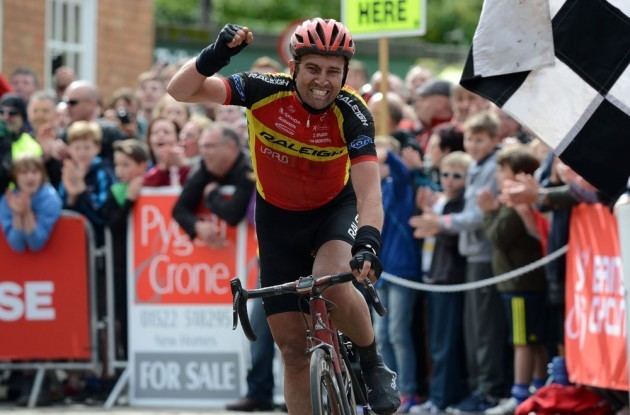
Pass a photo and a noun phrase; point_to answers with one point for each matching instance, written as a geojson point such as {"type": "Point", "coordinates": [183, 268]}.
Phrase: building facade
{"type": "Point", "coordinates": [108, 42]}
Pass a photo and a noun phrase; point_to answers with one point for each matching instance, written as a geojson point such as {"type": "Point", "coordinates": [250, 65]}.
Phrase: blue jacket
{"type": "Point", "coordinates": [400, 252]}
{"type": "Point", "coordinates": [46, 205]}
{"type": "Point", "coordinates": [98, 180]}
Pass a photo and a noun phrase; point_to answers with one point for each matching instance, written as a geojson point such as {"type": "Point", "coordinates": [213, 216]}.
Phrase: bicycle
{"type": "Point", "coordinates": [335, 387]}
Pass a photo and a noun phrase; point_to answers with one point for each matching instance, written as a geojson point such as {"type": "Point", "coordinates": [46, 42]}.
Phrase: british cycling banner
{"type": "Point", "coordinates": [45, 295]}
{"type": "Point", "coordinates": [182, 349]}
{"type": "Point", "coordinates": [595, 324]}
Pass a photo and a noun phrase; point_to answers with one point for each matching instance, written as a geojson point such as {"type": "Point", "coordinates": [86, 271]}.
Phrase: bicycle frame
{"type": "Point", "coordinates": [322, 333]}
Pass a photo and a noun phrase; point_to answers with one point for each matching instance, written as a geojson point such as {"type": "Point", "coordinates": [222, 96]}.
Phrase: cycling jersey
{"type": "Point", "coordinates": [301, 159]}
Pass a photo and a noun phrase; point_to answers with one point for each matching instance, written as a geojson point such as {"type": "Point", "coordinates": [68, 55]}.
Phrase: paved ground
{"type": "Point", "coordinates": [117, 411]}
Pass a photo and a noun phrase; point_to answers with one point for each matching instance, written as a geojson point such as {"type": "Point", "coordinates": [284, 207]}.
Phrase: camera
{"type": "Point", "coordinates": [123, 115]}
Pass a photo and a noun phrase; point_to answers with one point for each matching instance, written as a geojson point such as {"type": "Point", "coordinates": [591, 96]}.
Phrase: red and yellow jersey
{"type": "Point", "coordinates": [301, 159]}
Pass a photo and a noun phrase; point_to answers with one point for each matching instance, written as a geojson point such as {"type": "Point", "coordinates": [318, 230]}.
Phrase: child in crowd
{"type": "Point", "coordinates": [484, 319]}
{"type": "Point", "coordinates": [85, 182]}
{"type": "Point", "coordinates": [400, 257]}
{"type": "Point", "coordinates": [443, 141]}
{"type": "Point", "coordinates": [85, 179]}
{"type": "Point", "coordinates": [29, 212]}
{"type": "Point", "coordinates": [169, 165]}
{"type": "Point", "coordinates": [446, 310]}
{"type": "Point", "coordinates": [131, 158]}
{"type": "Point", "coordinates": [171, 109]}
{"type": "Point", "coordinates": [516, 242]}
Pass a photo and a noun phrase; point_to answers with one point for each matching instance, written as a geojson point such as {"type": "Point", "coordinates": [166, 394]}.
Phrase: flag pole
{"type": "Point", "coordinates": [383, 63]}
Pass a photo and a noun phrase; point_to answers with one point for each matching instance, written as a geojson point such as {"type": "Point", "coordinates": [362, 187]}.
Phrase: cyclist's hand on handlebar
{"type": "Point", "coordinates": [365, 264]}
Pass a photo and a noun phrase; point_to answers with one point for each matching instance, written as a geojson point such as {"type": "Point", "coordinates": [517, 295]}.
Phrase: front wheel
{"type": "Point", "coordinates": [325, 393]}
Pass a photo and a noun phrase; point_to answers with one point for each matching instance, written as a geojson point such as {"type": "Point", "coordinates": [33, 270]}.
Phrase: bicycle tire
{"type": "Point", "coordinates": [347, 384]}
{"type": "Point", "coordinates": [354, 386]}
{"type": "Point", "coordinates": [326, 396]}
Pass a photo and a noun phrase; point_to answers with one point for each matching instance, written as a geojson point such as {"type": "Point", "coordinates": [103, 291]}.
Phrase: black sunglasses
{"type": "Point", "coordinates": [9, 112]}
{"type": "Point", "coordinates": [72, 102]}
{"type": "Point", "coordinates": [455, 176]}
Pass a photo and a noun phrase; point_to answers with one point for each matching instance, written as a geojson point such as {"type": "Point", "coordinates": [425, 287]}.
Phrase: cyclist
{"type": "Point", "coordinates": [312, 147]}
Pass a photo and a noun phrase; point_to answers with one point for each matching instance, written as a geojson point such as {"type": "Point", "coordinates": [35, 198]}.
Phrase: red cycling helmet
{"type": "Point", "coordinates": [322, 36]}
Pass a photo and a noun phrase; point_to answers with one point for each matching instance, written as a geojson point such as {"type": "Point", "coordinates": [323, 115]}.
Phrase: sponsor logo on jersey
{"type": "Point", "coordinates": [350, 102]}
{"type": "Point", "coordinates": [273, 80]}
{"type": "Point", "coordinates": [240, 87]}
{"type": "Point", "coordinates": [299, 149]}
{"type": "Point", "coordinates": [361, 141]}
{"type": "Point", "coordinates": [286, 117]}
{"type": "Point", "coordinates": [285, 127]}
{"type": "Point", "coordinates": [274, 155]}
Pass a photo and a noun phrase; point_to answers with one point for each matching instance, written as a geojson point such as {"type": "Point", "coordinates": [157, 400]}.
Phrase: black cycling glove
{"type": "Point", "coordinates": [217, 55]}
{"type": "Point", "coordinates": [367, 245]}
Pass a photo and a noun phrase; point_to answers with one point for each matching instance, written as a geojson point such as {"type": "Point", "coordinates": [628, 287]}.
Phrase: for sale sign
{"type": "Point", "coordinates": [183, 351]}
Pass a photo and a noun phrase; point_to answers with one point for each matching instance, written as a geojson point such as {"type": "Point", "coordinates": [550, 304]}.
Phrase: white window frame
{"type": "Point", "coordinates": [86, 48]}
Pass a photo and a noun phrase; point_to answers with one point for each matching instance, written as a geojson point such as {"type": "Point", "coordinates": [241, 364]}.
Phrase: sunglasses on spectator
{"type": "Point", "coordinates": [9, 112]}
{"type": "Point", "coordinates": [456, 176]}
{"type": "Point", "coordinates": [72, 102]}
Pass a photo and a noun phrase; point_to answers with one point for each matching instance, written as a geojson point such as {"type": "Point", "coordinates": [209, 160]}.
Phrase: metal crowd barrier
{"type": "Point", "coordinates": [92, 364]}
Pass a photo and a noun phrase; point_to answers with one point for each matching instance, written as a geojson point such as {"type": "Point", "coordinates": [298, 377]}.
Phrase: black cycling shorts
{"type": "Point", "coordinates": [289, 240]}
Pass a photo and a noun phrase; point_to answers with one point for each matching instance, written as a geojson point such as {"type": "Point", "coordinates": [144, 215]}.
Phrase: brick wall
{"type": "Point", "coordinates": [125, 42]}
{"type": "Point", "coordinates": [23, 35]}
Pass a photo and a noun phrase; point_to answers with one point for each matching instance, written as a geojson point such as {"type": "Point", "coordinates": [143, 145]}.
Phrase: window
{"type": "Point", "coordinates": [71, 37]}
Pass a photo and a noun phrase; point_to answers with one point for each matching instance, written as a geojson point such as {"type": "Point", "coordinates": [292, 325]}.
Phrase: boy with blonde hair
{"type": "Point", "coordinates": [484, 322]}
{"type": "Point", "coordinates": [85, 179]}
{"type": "Point", "coordinates": [445, 311]}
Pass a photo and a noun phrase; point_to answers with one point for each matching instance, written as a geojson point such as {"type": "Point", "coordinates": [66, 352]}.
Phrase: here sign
{"type": "Point", "coordinates": [369, 19]}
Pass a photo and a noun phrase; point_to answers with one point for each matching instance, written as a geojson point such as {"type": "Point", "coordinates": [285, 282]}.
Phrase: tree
{"type": "Point", "coordinates": [448, 21]}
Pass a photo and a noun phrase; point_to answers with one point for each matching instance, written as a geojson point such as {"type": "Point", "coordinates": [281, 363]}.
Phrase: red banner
{"type": "Point", "coordinates": [169, 268]}
{"type": "Point", "coordinates": [595, 325]}
{"type": "Point", "coordinates": [44, 313]}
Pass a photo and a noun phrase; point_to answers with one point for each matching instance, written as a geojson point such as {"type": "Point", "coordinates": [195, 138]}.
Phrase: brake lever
{"type": "Point", "coordinates": [237, 289]}
{"type": "Point", "coordinates": [239, 309]}
{"type": "Point", "coordinates": [374, 298]}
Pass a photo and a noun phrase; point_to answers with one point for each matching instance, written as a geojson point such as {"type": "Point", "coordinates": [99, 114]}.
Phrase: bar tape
{"type": "Point", "coordinates": [467, 286]}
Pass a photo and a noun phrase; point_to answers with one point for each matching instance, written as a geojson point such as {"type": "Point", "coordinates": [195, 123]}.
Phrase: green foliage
{"type": "Point", "coordinates": [267, 12]}
{"type": "Point", "coordinates": [452, 21]}
{"type": "Point", "coordinates": [448, 21]}
{"type": "Point", "coordinates": [180, 12]}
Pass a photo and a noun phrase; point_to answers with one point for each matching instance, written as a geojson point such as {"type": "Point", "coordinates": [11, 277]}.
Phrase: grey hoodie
{"type": "Point", "coordinates": [473, 243]}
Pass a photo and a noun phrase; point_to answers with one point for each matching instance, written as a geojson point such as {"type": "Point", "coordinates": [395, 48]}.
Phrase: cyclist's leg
{"type": "Point", "coordinates": [289, 333]}
{"type": "Point", "coordinates": [351, 314]}
{"type": "Point", "coordinates": [285, 254]}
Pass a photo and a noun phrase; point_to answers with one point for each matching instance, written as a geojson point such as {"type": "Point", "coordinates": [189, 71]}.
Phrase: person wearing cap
{"type": "Point", "coordinates": [432, 105]}
{"type": "Point", "coordinates": [312, 142]}
{"type": "Point", "coordinates": [15, 141]}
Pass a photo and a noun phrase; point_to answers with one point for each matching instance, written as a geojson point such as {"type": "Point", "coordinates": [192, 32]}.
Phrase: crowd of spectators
{"type": "Point", "coordinates": [467, 192]}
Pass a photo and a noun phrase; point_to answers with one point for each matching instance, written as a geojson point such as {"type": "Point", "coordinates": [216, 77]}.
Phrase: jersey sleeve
{"type": "Point", "coordinates": [246, 88]}
{"type": "Point", "coordinates": [358, 127]}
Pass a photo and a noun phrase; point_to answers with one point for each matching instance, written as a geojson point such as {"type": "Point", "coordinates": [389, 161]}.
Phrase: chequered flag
{"type": "Point", "coordinates": [567, 81]}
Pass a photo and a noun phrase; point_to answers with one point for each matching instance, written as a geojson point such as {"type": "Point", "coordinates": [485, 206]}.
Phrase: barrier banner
{"type": "Point", "coordinates": [595, 324]}
{"type": "Point", "coordinates": [182, 349]}
{"type": "Point", "coordinates": [44, 297]}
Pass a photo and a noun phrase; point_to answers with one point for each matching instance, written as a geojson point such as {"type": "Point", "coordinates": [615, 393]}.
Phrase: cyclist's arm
{"type": "Point", "coordinates": [194, 81]}
{"type": "Point", "coordinates": [366, 184]}
{"type": "Point", "coordinates": [188, 85]}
